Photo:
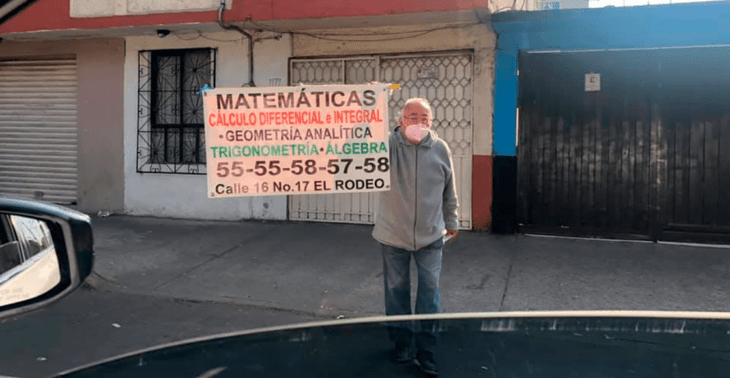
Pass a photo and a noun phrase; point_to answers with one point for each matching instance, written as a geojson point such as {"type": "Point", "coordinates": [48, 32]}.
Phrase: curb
{"type": "Point", "coordinates": [98, 282]}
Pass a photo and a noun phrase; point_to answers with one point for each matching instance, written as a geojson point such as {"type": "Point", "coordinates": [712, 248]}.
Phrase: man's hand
{"type": "Point", "coordinates": [453, 234]}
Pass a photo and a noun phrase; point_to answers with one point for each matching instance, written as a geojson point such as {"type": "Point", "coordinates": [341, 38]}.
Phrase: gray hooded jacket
{"type": "Point", "coordinates": [421, 203]}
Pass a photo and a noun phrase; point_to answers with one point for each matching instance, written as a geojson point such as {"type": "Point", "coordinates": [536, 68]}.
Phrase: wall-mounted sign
{"type": "Point", "coordinates": [428, 73]}
{"type": "Point", "coordinates": [593, 82]}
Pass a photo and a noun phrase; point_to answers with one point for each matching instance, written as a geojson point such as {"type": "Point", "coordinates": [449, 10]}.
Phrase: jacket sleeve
{"type": "Point", "coordinates": [450, 200]}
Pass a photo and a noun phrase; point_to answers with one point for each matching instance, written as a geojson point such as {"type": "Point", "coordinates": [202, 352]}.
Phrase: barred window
{"type": "Point", "coordinates": [170, 128]}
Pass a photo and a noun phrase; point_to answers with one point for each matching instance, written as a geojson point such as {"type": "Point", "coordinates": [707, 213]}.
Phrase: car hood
{"type": "Point", "coordinates": [591, 344]}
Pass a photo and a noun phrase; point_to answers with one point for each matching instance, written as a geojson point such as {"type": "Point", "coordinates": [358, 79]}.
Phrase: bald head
{"type": "Point", "coordinates": [420, 101]}
{"type": "Point", "coordinates": [416, 111]}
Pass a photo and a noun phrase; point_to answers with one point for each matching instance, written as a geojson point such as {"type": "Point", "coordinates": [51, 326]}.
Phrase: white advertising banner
{"type": "Point", "coordinates": [296, 140]}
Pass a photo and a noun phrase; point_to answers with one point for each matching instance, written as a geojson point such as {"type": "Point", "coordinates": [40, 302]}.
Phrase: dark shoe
{"type": "Point", "coordinates": [402, 353]}
{"type": "Point", "coordinates": [426, 362]}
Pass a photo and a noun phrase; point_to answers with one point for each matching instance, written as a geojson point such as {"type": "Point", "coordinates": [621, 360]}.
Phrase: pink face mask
{"type": "Point", "coordinates": [416, 133]}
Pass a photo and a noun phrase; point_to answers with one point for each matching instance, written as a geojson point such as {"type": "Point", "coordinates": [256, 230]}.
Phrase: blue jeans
{"type": "Point", "coordinates": [396, 273]}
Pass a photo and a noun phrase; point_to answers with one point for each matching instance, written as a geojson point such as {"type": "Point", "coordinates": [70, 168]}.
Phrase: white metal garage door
{"type": "Point", "coordinates": [444, 79]}
{"type": "Point", "coordinates": [38, 131]}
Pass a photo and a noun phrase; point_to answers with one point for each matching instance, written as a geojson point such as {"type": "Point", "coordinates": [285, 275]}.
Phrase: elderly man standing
{"type": "Point", "coordinates": [412, 219]}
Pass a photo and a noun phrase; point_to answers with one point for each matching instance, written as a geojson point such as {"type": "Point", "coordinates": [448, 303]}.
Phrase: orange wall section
{"type": "Point", "coordinates": [482, 192]}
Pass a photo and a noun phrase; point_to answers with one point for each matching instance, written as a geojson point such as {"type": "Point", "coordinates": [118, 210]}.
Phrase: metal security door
{"type": "Point", "coordinates": [695, 133]}
{"type": "Point", "coordinates": [445, 79]}
{"type": "Point", "coordinates": [647, 155]}
{"type": "Point", "coordinates": [38, 130]}
{"type": "Point", "coordinates": [584, 156]}
{"type": "Point", "coordinates": [344, 208]}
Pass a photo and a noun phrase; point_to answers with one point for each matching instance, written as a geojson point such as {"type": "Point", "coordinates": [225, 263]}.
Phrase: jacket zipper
{"type": "Point", "coordinates": [415, 203]}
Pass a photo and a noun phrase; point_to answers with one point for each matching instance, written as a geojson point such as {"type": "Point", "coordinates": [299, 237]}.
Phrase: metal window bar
{"type": "Point", "coordinates": [153, 155]}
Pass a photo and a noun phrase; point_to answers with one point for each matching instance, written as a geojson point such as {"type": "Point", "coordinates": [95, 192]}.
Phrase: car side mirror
{"type": "Point", "coordinates": [46, 252]}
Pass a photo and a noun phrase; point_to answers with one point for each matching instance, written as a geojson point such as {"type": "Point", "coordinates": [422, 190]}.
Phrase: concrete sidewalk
{"type": "Point", "coordinates": [333, 269]}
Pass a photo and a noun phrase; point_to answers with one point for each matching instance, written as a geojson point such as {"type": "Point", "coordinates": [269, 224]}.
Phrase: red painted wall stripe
{"type": "Point", "coordinates": [481, 207]}
{"type": "Point", "coordinates": [55, 14]}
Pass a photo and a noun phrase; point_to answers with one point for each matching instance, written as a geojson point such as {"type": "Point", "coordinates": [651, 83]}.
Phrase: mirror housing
{"type": "Point", "coordinates": [73, 243]}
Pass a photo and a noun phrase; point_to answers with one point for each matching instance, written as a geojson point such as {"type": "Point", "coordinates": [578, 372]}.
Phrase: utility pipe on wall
{"type": "Point", "coordinates": [250, 41]}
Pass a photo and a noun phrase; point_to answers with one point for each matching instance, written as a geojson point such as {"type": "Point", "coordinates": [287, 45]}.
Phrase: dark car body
{"type": "Point", "coordinates": [574, 344]}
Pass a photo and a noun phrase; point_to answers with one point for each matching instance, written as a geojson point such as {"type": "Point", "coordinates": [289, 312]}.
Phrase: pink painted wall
{"type": "Point", "coordinates": [55, 14]}
{"type": "Point", "coordinates": [100, 72]}
{"type": "Point", "coordinates": [100, 119]}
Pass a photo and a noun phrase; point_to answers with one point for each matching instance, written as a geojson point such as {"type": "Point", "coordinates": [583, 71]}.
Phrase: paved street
{"type": "Point", "coordinates": [162, 280]}
{"type": "Point", "coordinates": [89, 325]}
{"type": "Point", "coordinates": [333, 269]}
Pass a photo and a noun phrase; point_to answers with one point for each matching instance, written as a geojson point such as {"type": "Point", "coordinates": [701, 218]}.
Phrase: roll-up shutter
{"type": "Point", "coordinates": [38, 131]}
